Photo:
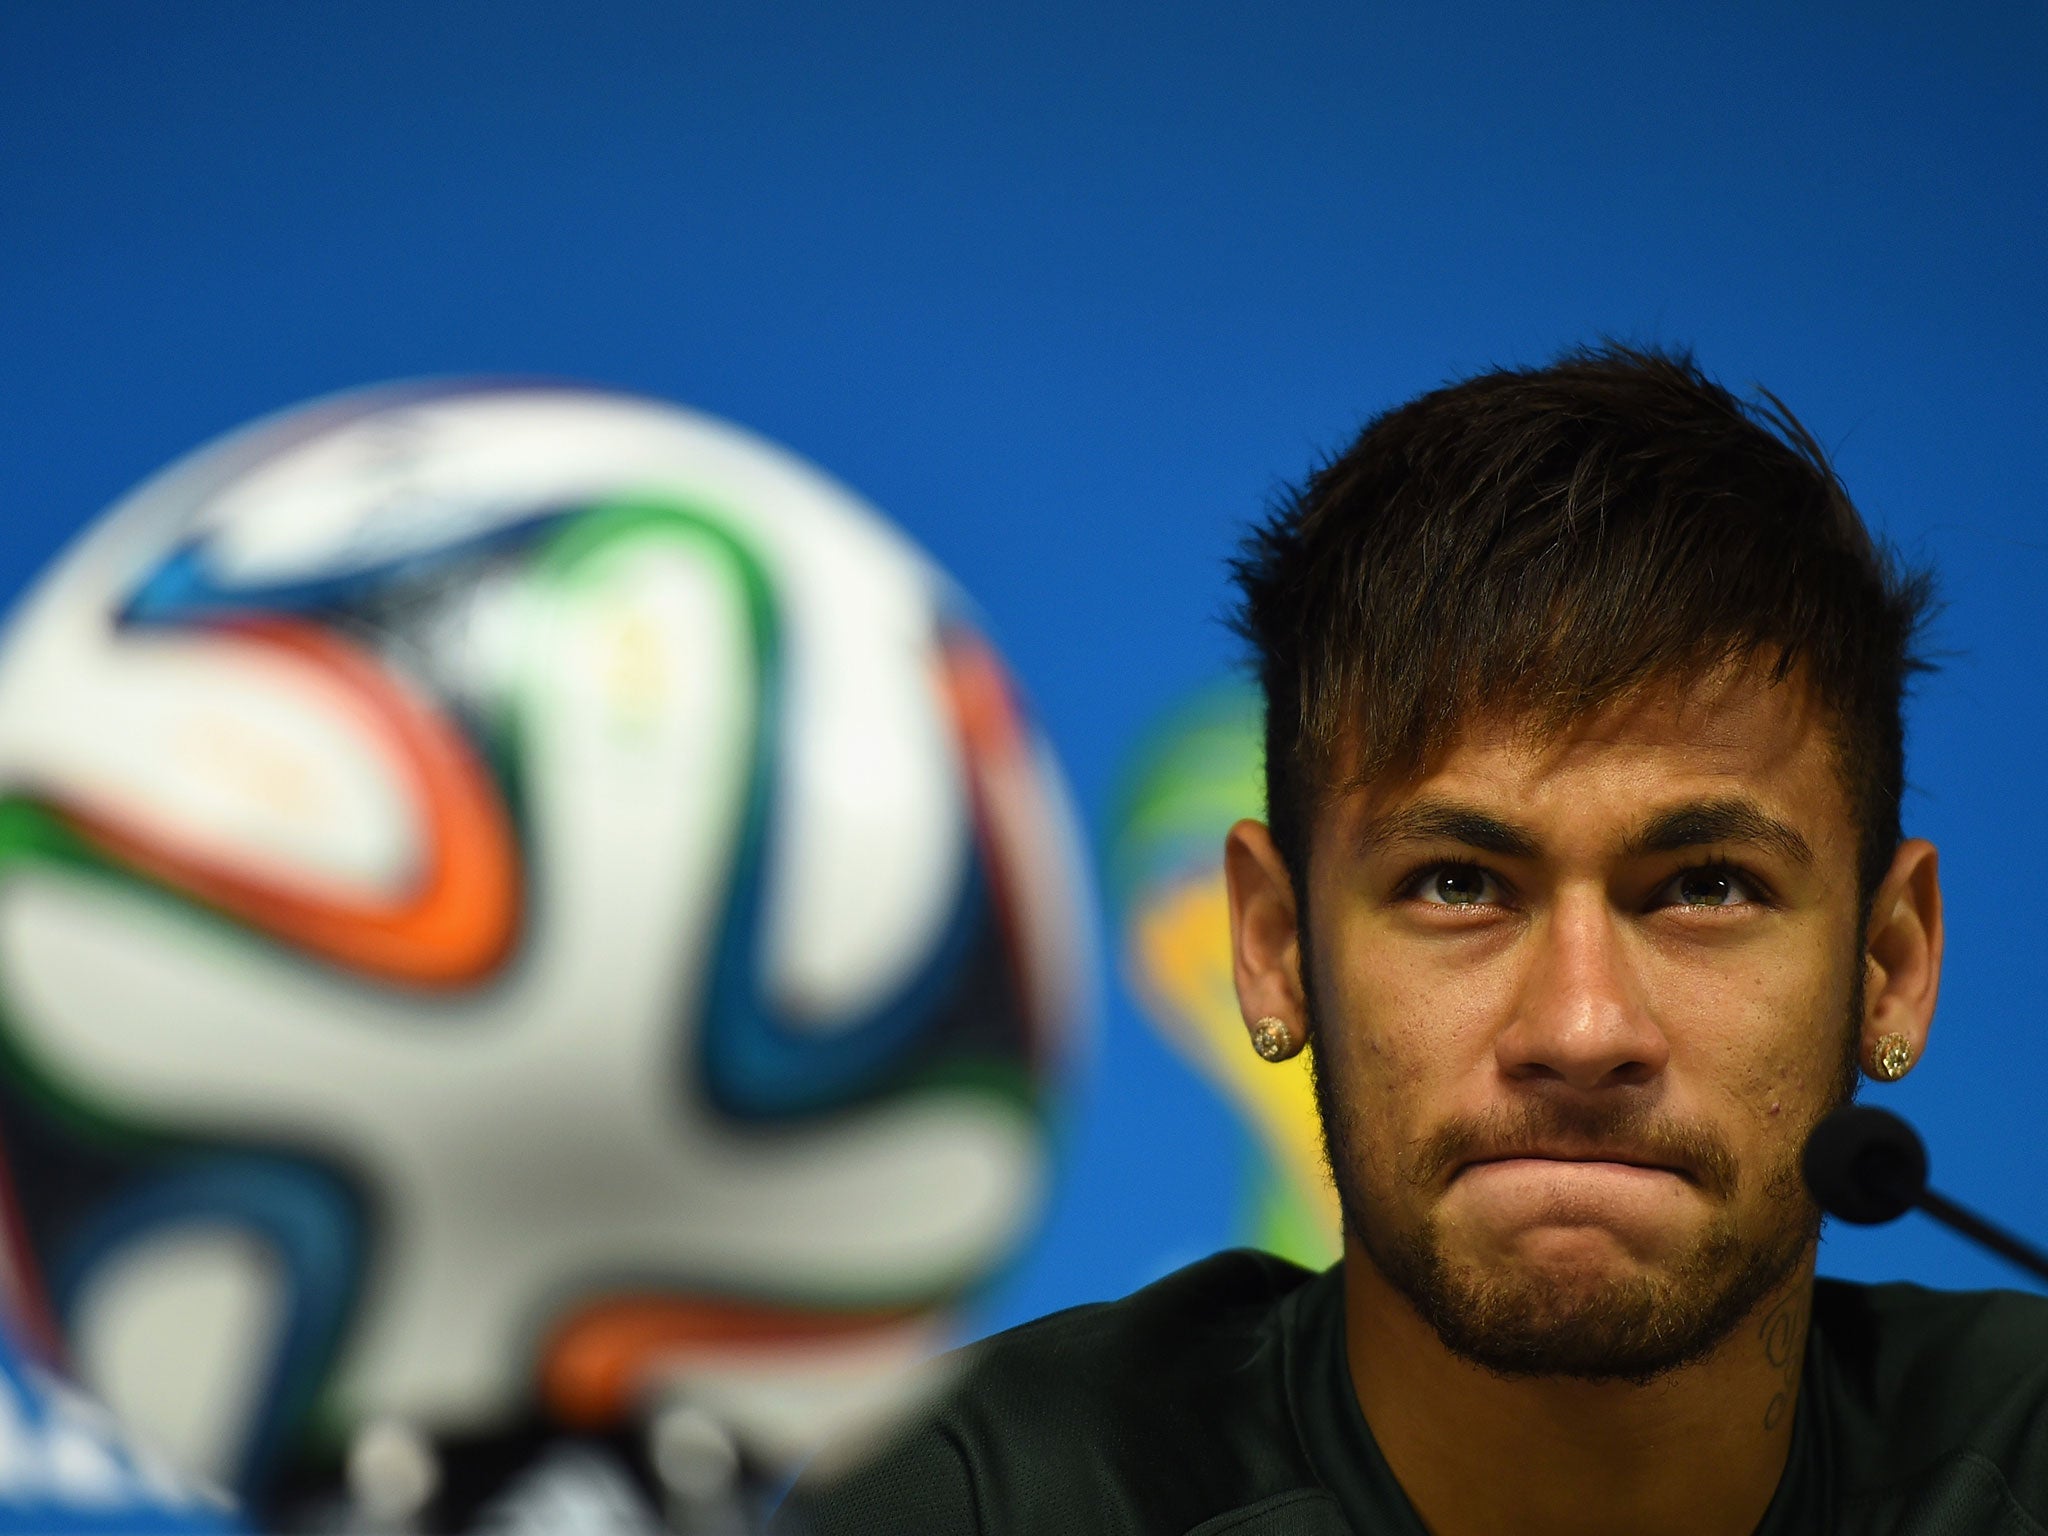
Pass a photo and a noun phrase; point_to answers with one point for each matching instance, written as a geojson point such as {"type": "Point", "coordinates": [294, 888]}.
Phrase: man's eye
{"type": "Point", "coordinates": [1456, 885]}
{"type": "Point", "coordinates": [1712, 885]}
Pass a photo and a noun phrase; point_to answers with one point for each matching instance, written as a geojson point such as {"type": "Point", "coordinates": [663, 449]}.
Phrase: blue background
{"type": "Point", "coordinates": [1070, 290]}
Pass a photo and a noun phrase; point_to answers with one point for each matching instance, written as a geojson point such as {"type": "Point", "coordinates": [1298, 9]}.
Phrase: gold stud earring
{"type": "Point", "coordinates": [1891, 1058]}
{"type": "Point", "coordinates": [1272, 1039]}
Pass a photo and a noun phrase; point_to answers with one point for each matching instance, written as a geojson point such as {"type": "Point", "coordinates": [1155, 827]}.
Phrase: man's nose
{"type": "Point", "coordinates": [1579, 1016]}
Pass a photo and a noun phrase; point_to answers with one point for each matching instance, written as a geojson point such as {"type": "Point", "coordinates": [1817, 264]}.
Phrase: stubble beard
{"type": "Point", "coordinates": [1591, 1327]}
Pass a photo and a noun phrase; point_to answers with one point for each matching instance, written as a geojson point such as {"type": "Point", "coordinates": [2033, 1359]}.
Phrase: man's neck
{"type": "Point", "coordinates": [1698, 1452]}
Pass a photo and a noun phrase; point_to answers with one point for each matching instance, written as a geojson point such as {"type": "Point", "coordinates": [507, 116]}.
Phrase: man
{"type": "Point", "coordinates": [1583, 876]}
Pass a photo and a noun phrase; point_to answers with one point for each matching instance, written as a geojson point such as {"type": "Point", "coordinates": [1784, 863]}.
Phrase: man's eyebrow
{"type": "Point", "coordinates": [1695, 825]}
{"type": "Point", "coordinates": [1442, 821]}
{"type": "Point", "coordinates": [1720, 821]}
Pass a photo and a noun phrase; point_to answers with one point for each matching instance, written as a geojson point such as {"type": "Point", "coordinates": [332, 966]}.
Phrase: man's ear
{"type": "Point", "coordinates": [1265, 940]}
{"type": "Point", "coordinates": [1902, 955]}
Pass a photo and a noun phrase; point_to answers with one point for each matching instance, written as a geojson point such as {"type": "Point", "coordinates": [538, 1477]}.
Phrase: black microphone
{"type": "Point", "coordinates": [1868, 1166]}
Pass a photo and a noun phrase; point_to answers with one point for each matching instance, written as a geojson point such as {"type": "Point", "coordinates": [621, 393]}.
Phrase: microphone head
{"type": "Point", "coordinates": [1865, 1165]}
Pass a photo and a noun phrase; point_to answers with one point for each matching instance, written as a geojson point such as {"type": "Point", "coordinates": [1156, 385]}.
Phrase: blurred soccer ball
{"type": "Point", "coordinates": [512, 898]}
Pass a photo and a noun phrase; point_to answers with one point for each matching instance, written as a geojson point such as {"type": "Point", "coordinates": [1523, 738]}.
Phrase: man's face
{"type": "Point", "coordinates": [1577, 1001]}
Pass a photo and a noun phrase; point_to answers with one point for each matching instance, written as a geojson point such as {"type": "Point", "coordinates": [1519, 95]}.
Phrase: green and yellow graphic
{"type": "Point", "coordinates": [1197, 772]}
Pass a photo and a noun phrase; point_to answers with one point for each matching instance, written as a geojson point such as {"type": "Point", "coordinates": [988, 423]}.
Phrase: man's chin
{"type": "Point", "coordinates": [1575, 1256]}
{"type": "Point", "coordinates": [1583, 1302]}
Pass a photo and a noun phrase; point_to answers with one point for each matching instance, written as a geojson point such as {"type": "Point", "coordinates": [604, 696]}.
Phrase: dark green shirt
{"type": "Point", "coordinates": [1218, 1401]}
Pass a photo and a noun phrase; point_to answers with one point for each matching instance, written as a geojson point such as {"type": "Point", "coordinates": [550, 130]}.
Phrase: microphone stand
{"type": "Point", "coordinates": [1867, 1166]}
{"type": "Point", "coordinates": [1985, 1234]}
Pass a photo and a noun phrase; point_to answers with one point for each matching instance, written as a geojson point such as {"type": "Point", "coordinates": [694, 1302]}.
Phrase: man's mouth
{"type": "Point", "coordinates": [1591, 1157]}
{"type": "Point", "coordinates": [1568, 1143]}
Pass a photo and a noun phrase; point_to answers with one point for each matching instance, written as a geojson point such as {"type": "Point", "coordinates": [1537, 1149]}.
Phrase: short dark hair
{"type": "Point", "coordinates": [1549, 540]}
